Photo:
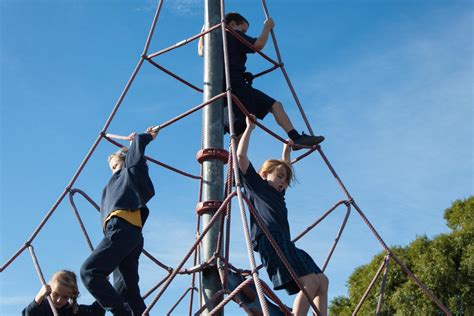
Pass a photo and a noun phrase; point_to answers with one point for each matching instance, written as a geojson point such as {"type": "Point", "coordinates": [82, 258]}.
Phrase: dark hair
{"type": "Point", "coordinates": [236, 17]}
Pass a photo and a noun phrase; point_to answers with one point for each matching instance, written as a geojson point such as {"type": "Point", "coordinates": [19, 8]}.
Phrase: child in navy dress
{"type": "Point", "coordinates": [266, 192]}
{"type": "Point", "coordinates": [123, 213]}
{"type": "Point", "coordinates": [63, 291]}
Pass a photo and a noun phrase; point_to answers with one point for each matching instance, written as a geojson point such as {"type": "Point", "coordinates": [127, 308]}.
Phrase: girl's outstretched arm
{"type": "Point", "coordinates": [152, 130]}
{"type": "Point", "coordinates": [244, 144]}
{"type": "Point", "coordinates": [129, 137]}
{"type": "Point", "coordinates": [286, 154]}
{"type": "Point", "coordinates": [136, 152]}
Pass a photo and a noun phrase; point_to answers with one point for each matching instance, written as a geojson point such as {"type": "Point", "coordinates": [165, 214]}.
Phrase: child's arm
{"type": "Point", "coordinates": [263, 38]}
{"type": "Point", "coordinates": [286, 154]}
{"type": "Point", "coordinates": [244, 144]}
{"type": "Point", "coordinates": [42, 294]}
{"type": "Point", "coordinates": [129, 137]}
{"type": "Point", "coordinates": [201, 43]}
{"type": "Point", "coordinates": [137, 148]}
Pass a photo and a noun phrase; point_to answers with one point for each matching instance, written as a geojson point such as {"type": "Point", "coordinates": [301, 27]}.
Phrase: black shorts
{"type": "Point", "coordinates": [299, 260]}
{"type": "Point", "coordinates": [254, 100]}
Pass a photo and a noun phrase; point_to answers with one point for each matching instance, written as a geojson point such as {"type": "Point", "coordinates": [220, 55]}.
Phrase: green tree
{"type": "Point", "coordinates": [445, 265]}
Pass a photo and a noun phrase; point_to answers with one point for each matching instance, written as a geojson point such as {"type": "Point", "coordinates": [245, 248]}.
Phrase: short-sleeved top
{"type": "Point", "coordinates": [130, 188]}
{"type": "Point", "coordinates": [238, 54]}
{"type": "Point", "coordinates": [44, 309]}
{"type": "Point", "coordinates": [269, 203]}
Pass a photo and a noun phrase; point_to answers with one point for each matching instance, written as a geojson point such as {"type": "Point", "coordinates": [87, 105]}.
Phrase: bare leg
{"type": "Point", "coordinates": [321, 299]}
{"type": "Point", "coordinates": [284, 121]}
{"type": "Point", "coordinates": [316, 285]}
{"type": "Point", "coordinates": [281, 117]}
{"type": "Point", "coordinates": [301, 304]}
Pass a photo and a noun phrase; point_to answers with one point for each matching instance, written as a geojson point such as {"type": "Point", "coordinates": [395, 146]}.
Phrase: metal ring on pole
{"type": "Point", "coordinates": [207, 206]}
{"type": "Point", "coordinates": [212, 153]}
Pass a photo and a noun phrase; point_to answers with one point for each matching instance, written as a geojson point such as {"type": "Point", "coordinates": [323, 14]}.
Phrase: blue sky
{"type": "Point", "coordinates": [389, 83]}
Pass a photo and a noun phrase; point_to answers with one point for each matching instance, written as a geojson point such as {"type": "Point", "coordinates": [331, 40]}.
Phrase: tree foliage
{"type": "Point", "coordinates": [444, 264]}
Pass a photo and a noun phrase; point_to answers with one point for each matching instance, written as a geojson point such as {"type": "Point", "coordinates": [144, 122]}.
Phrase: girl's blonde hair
{"type": "Point", "coordinates": [68, 279]}
{"type": "Point", "coordinates": [271, 164]}
{"type": "Point", "coordinates": [121, 153]}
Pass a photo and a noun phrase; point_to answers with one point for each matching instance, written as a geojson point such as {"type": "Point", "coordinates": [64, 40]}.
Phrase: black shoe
{"type": "Point", "coordinates": [307, 140]}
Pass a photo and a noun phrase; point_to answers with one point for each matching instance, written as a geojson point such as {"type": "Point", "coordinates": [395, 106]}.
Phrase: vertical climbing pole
{"type": "Point", "coordinates": [213, 169]}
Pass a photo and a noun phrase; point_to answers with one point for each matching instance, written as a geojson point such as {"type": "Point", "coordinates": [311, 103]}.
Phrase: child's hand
{"type": "Point", "coordinates": [288, 146]}
{"type": "Point", "coordinates": [131, 137]}
{"type": "Point", "coordinates": [43, 292]}
{"type": "Point", "coordinates": [153, 131]}
{"type": "Point", "coordinates": [269, 24]}
{"type": "Point", "coordinates": [250, 120]}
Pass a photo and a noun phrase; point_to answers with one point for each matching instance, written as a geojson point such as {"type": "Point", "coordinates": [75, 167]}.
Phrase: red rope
{"type": "Point", "coordinates": [41, 277]}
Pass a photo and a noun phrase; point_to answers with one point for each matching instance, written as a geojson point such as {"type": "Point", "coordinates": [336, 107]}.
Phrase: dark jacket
{"type": "Point", "coordinates": [44, 309]}
{"type": "Point", "coordinates": [130, 188]}
{"type": "Point", "coordinates": [238, 55]}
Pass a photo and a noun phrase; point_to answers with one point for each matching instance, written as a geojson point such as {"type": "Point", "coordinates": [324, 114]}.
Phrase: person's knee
{"type": "Point", "coordinates": [310, 284]}
{"type": "Point", "coordinates": [323, 282]}
{"type": "Point", "coordinates": [277, 107]}
{"type": "Point", "coordinates": [86, 275]}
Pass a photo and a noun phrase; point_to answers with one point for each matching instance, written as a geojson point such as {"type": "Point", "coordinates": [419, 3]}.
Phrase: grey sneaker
{"type": "Point", "coordinates": [308, 140]}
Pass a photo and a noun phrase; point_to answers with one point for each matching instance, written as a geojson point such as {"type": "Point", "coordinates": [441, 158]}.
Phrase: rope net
{"type": "Point", "coordinates": [241, 286]}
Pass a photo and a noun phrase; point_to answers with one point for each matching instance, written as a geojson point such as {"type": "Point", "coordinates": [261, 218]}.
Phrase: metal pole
{"type": "Point", "coordinates": [213, 171]}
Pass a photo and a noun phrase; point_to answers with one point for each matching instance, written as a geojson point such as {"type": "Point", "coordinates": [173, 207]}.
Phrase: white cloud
{"type": "Point", "coordinates": [186, 7]}
{"type": "Point", "coordinates": [149, 5]}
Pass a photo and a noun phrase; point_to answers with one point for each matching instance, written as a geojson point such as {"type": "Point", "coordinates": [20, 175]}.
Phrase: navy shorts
{"type": "Point", "coordinates": [254, 100]}
{"type": "Point", "coordinates": [299, 260]}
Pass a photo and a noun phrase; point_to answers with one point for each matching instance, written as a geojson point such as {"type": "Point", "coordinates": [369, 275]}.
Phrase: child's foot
{"type": "Point", "coordinates": [307, 140]}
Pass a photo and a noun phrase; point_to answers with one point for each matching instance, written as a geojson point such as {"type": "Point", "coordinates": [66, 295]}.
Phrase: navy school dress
{"type": "Point", "coordinates": [271, 206]}
{"type": "Point", "coordinates": [44, 309]}
{"type": "Point", "coordinates": [254, 100]}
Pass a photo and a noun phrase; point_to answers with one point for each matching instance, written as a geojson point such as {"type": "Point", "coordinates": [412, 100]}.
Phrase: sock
{"type": "Point", "coordinates": [293, 134]}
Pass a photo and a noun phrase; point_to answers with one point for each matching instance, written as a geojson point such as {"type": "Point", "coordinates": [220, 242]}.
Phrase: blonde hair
{"type": "Point", "coordinates": [271, 164]}
{"type": "Point", "coordinates": [68, 279]}
{"type": "Point", "coordinates": [120, 154]}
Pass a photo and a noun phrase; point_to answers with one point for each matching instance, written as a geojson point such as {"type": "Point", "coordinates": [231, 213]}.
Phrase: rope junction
{"type": "Point", "coordinates": [241, 286]}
